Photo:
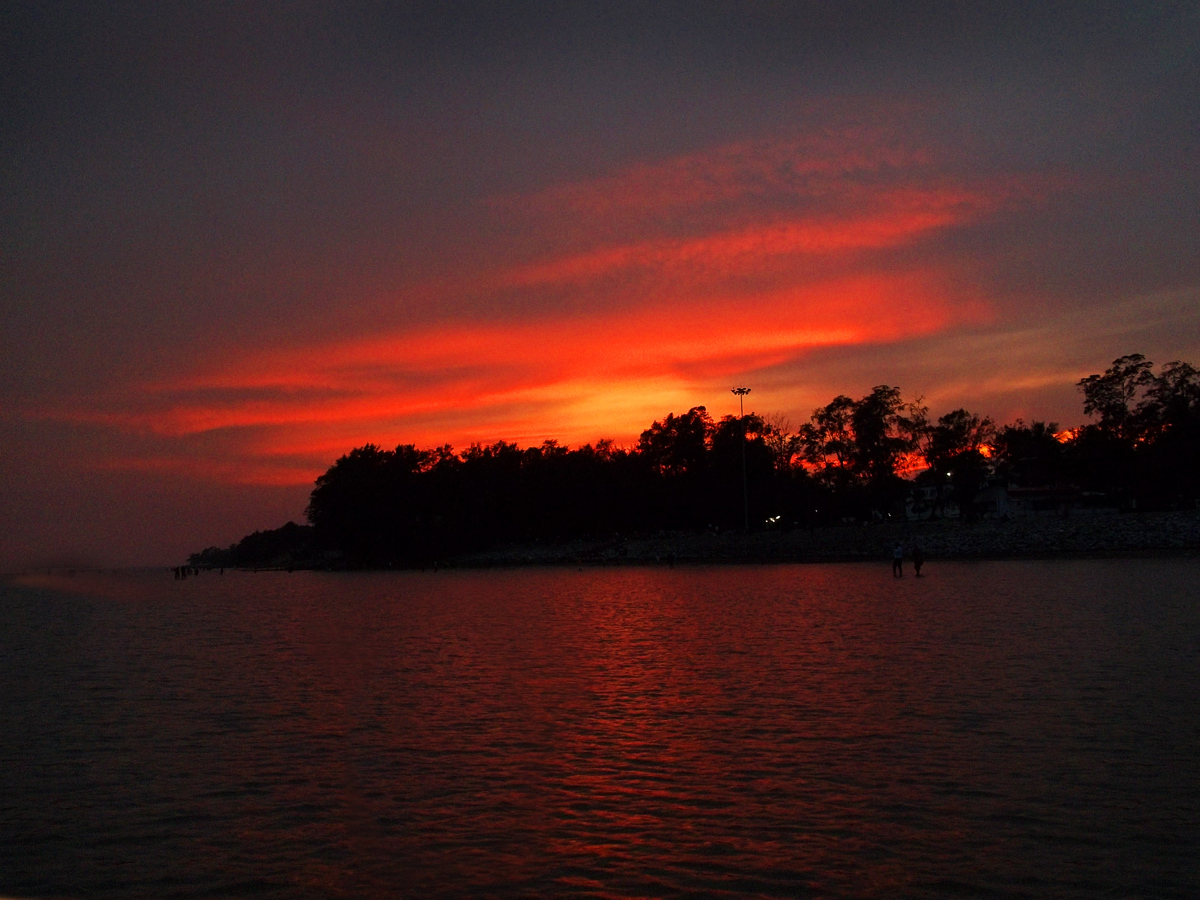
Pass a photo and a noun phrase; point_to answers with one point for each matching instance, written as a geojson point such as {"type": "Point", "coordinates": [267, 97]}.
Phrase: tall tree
{"type": "Point", "coordinates": [1168, 455]}
{"type": "Point", "coordinates": [883, 433]}
{"type": "Point", "coordinates": [1111, 396]}
{"type": "Point", "coordinates": [783, 444]}
{"type": "Point", "coordinates": [827, 440]}
{"type": "Point", "coordinates": [1172, 399]}
{"type": "Point", "coordinates": [856, 447]}
{"type": "Point", "coordinates": [678, 444]}
{"type": "Point", "coordinates": [1029, 455]}
{"type": "Point", "coordinates": [732, 437]}
{"type": "Point", "coordinates": [955, 452]}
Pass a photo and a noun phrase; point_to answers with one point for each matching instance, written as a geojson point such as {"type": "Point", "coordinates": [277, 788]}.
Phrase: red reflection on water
{"type": "Point", "coordinates": [758, 731]}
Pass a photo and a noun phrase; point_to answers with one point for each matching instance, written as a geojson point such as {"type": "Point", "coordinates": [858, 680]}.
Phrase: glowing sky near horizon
{"type": "Point", "coordinates": [239, 241]}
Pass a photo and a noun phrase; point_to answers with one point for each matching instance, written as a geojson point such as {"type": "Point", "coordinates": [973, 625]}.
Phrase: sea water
{"type": "Point", "coordinates": [1001, 729]}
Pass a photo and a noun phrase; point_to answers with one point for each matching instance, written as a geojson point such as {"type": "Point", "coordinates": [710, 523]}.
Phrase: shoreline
{"type": "Point", "coordinates": [1097, 536]}
{"type": "Point", "coordinates": [1131, 535]}
{"type": "Point", "coordinates": [764, 560]}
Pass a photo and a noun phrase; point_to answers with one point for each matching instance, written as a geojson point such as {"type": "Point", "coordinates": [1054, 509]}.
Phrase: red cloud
{"type": "Point", "coordinates": [731, 261]}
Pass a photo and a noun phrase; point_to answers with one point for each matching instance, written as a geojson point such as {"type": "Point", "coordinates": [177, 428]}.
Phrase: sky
{"type": "Point", "coordinates": [239, 239]}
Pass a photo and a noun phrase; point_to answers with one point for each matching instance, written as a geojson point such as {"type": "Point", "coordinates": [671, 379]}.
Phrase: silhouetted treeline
{"type": "Point", "coordinates": [406, 506]}
{"type": "Point", "coordinates": [287, 546]}
{"type": "Point", "coordinates": [1145, 445]}
{"type": "Point", "coordinates": [854, 460]}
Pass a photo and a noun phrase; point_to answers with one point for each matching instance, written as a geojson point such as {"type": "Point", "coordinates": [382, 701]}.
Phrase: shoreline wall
{"type": "Point", "coordinates": [1129, 533]}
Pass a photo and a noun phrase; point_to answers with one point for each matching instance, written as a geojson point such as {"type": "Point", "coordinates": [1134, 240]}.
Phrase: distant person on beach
{"type": "Point", "coordinates": [918, 559]}
{"type": "Point", "coordinates": [898, 561]}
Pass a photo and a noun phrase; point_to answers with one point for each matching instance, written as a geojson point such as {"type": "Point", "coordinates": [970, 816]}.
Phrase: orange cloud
{"type": "Point", "coordinates": [741, 251]}
{"type": "Point", "coordinates": [572, 379]}
{"type": "Point", "coordinates": [717, 278]}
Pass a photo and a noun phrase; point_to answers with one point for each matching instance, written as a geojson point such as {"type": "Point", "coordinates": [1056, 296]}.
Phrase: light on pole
{"type": "Point", "coordinates": [741, 395]}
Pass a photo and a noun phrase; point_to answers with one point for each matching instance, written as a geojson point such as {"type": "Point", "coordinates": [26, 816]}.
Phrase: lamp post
{"type": "Point", "coordinates": [741, 395]}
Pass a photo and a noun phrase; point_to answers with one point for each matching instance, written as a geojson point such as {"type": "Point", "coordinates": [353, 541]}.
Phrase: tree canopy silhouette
{"type": "Point", "coordinates": [853, 460]}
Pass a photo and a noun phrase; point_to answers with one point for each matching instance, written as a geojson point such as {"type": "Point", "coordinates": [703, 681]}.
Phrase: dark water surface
{"type": "Point", "coordinates": [1019, 729]}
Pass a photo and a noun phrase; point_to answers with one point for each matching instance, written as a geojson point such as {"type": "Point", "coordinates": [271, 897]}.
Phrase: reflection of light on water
{"type": "Point", "coordinates": [740, 729]}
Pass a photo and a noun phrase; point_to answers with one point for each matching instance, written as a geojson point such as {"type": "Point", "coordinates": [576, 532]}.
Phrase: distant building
{"type": "Point", "coordinates": [931, 502]}
{"type": "Point", "coordinates": [1002, 501]}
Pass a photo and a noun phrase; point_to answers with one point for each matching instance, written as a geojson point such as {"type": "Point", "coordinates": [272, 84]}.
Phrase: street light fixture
{"type": "Point", "coordinates": [741, 395]}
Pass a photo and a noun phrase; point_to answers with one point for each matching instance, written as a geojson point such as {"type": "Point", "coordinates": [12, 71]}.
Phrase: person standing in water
{"type": "Point", "coordinates": [898, 561]}
{"type": "Point", "coordinates": [918, 559]}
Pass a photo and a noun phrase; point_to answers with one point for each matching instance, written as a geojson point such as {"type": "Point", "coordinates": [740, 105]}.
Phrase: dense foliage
{"type": "Point", "coordinates": [849, 462]}
{"type": "Point", "coordinates": [290, 545]}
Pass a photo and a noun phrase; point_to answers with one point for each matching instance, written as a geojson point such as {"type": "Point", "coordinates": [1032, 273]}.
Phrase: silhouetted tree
{"type": "Point", "coordinates": [1172, 399]}
{"type": "Point", "coordinates": [1172, 458]}
{"type": "Point", "coordinates": [885, 432]}
{"type": "Point", "coordinates": [782, 443]}
{"type": "Point", "coordinates": [827, 441]}
{"type": "Point", "coordinates": [954, 450]}
{"type": "Point", "coordinates": [857, 446]}
{"type": "Point", "coordinates": [678, 444]}
{"type": "Point", "coordinates": [1145, 445]}
{"type": "Point", "coordinates": [764, 487]}
{"type": "Point", "coordinates": [286, 546]}
{"type": "Point", "coordinates": [410, 506]}
{"type": "Point", "coordinates": [1110, 395]}
{"type": "Point", "coordinates": [1029, 455]}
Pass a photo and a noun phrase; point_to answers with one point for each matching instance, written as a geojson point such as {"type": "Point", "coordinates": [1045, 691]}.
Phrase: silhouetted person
{"type": "Point", "coordinates": [898, 561]}
{"type": "Point", "coordinates": [918, 559]}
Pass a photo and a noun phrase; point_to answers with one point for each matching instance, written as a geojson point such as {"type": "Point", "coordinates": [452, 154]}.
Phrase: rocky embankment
{"type": "Point", "coordinates": [1079, 535]}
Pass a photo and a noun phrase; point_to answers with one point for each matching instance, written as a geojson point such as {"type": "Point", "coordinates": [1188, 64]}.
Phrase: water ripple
{"type": "Point", "coordinates": [993, 730]}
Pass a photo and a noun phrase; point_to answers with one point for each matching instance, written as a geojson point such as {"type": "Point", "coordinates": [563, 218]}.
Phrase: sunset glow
{"type": "Point", "coordinates": [423, 232]}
